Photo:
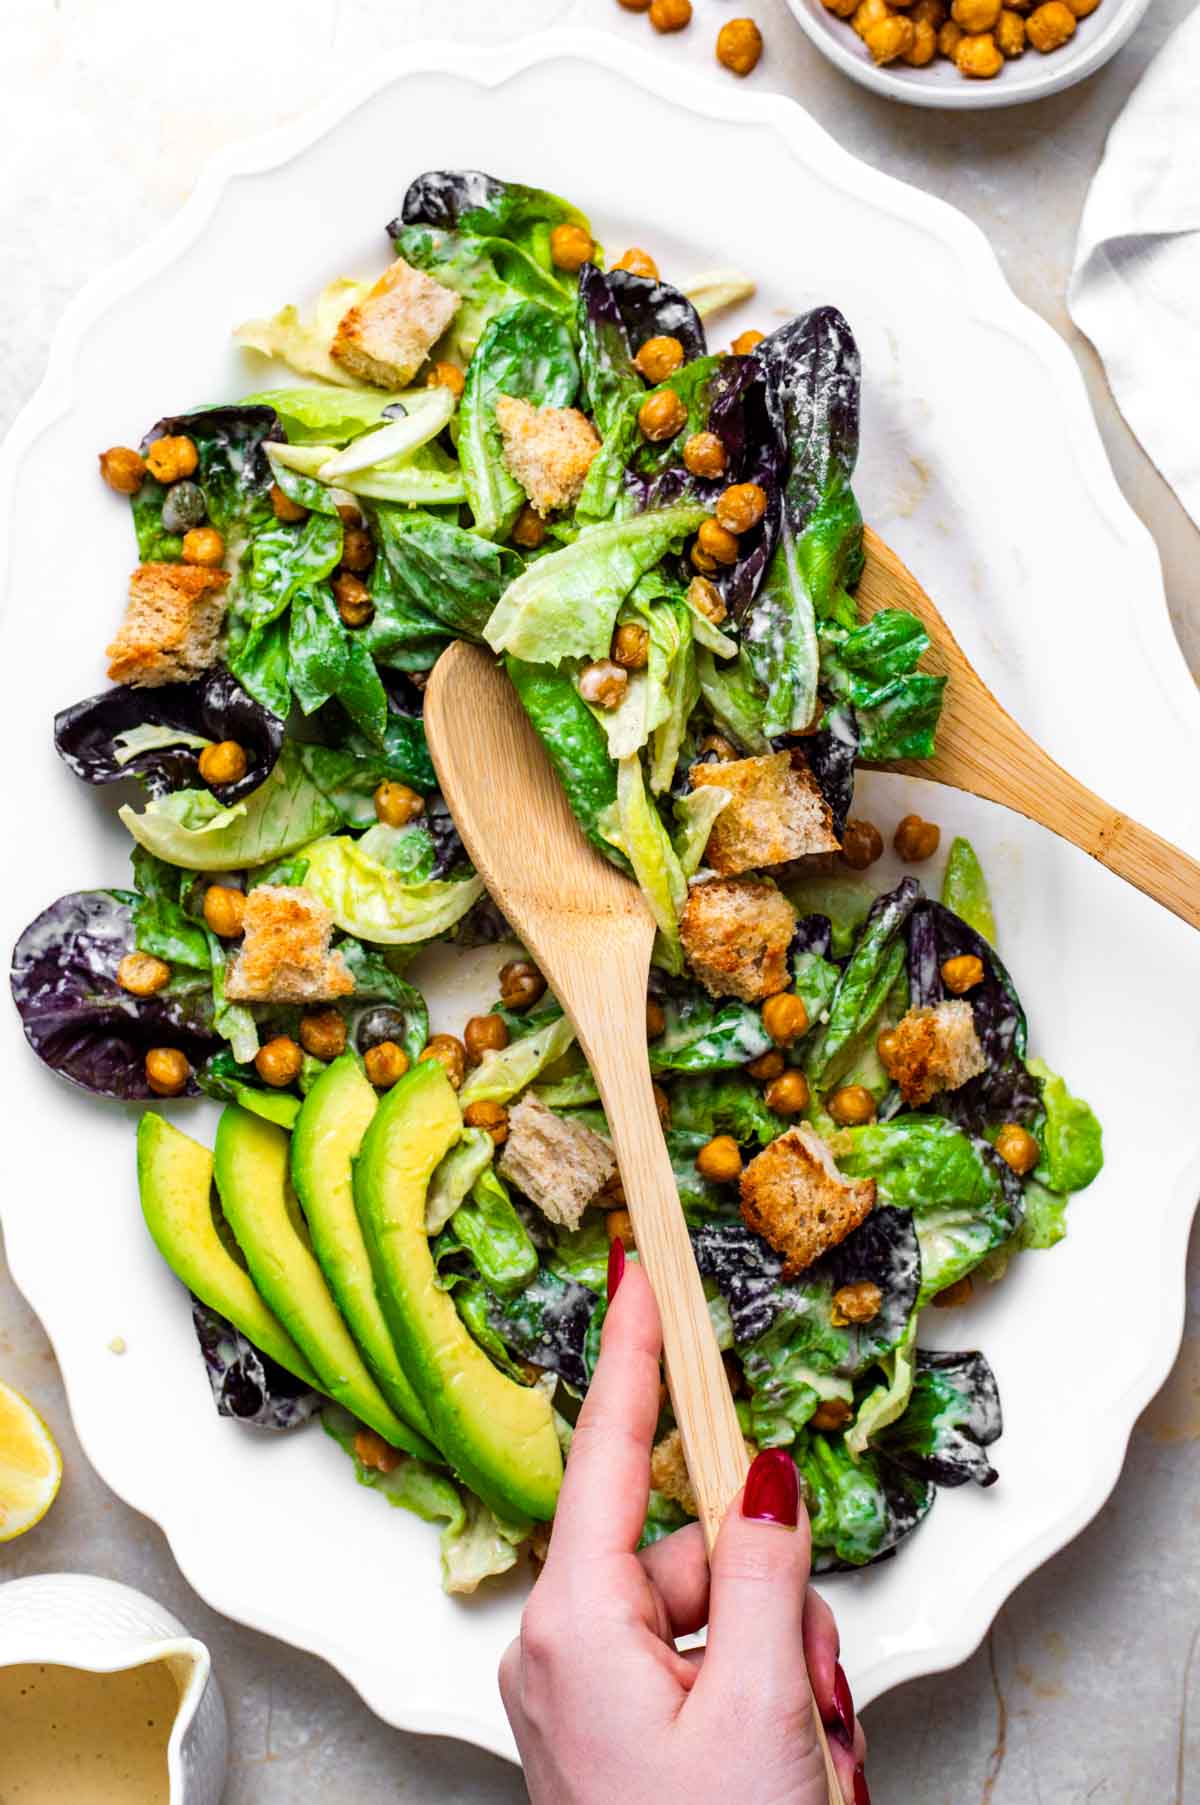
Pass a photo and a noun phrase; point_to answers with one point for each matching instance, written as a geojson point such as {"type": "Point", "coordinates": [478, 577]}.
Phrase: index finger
{"type": "Point", "coordinates": [606, 1487]}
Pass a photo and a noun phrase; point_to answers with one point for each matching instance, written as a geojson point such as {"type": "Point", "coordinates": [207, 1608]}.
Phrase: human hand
{"type": "Point", "coordinates": [602, 1704]}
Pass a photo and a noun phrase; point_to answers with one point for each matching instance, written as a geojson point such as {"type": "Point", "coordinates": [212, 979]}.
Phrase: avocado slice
{"type": "Point", "coordinates": [251, 1164]}
{"type": "Point", "coordinates": [325, 1143]}
{"type": "Point", "coordinates": [497, 1434]}
{"type": "Point", "coordinates": [175, 1187]}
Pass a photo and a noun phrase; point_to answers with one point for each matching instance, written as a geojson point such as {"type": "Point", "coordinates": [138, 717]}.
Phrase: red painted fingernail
{"type": "Point", "coordinates": [843, 1705]}
{"type": "Point", "coordinates": [862, 1792]}
{"type": "Point", "coordinates": [616, 1266]}
{"type": "Point", "coordinates": [772, 1493]}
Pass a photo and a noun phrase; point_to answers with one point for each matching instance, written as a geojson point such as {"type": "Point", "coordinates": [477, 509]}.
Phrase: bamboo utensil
{"type": "Point", "coordinates": [591, 933]}
{"type": "Point", "coordinates": [980, 748]}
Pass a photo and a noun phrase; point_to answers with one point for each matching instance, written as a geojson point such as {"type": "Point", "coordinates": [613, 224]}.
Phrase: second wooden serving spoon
{"type": "Point", "coordinates": [591, 933]}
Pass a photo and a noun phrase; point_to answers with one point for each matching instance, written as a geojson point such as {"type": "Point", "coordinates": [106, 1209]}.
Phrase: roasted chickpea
{"type": "Point", "coordinates": [661, 416]}
{"type": "Point", "coordinates": [704, 454]}
{"type": "Point", "coordinates": [923, 48]}
{"type": "Point", "coordinates": [167, 1071]}
{"type": "Point", "coordinates": [358, 553]}
{"type": "Point", "coordinates": [868, 13]}
{"type": "Point", "coordinates": [484, 1034]}
{"type": "Point", "coordinates": [618, 1226]}
{"type": "Point", "coordinates": [635, 6]}
{"type": "Point", "coordinates": [123, 469]}
{"type": "Point", "coordinates": [372, 1452]}
{"type": "Point", "coordinates": [955, 1295]}
{"type": "Point", "coordinates": [224, 911]}
{"type": "Point", "coordinates": [916, 840]}
{"type": "Point", "coordinates": [570, 247]}
{"type": "Point", "coordinates": [768, 1065]}
{"type": "Point", "coordinates": [492, 1117]}
{"type": "Point", "coordinates": [720, 1159]}
{"type": "Point", "coordinates": [521, 985]}
{"type": "Point", "coordinates": [855, 1303]}
{"type": "Point", "coordinates": [707, 600]}
{"type": "Point", "coordinates": [739, 45]}
{"type": "Point", "coordinates": [851, 1106]}
{"type": "Point", "coordinates": [701, 560]}
{"type": "Point", "coordinates": [450, 1054]}
{"type": "Point", "coordinates": [717, 542]}
{"type": "Point", "coordinates": [787, 1095]}
{"type": "Point", "coordinates": [1083, 8]}
{"type": "Point", "coordinates": [785, 1018]}
{"type": "Point", "coordinates": [975, 15]}
{"type": "Point", "coordinates": [603, 683]}
{"type": "Point", "coordinates": [203, 545]}
{"type": "Point", "coordinates": [386, 1063]}
{"type": "Point", "coordinates": [1010, 34]}
{"type": "Point", "coordinates": [929, 12]}
{"type": "Point", "coordinates": [323, 1033]}
{"type": "Point", "coordinates": [142, 975]}
{"type": "Point", "coordinates": [446, 376]}
{"type": "Point", "coordinates": [1017, 1148]}
{"type": "Point", "coordinates": [890, 38]}
{"type": "Point", "coordinates": [529, 529]}
{"type": "Point", "coordinates": [170, 458]}
{"type": "Point", "coordinates": [353, 599]}
{"type": "Point", "coordinates": [396, 805]}
{"type": "Point", "coordinates": [285, 508]}
{"type": "Point", "coordinates": [842, 8]}
{"type": "Point", "coordinates": [962, 974]}
{"type": "Point", "coordinates": [659, 358]}
{"type": "Point", "coordinates": [670, 15]}
{"type": "Point", "coordinates": [611, 1195]}
{"type": "Point", "coordinates": [887, 1045]}
{"type": "Point", "coordinates": [631, 647]}
{"type": "Point", "coordinates": [949, 38]}
{"type": "Point", "coordinates": [635, 260]}
{"type": "Point", "coordinates": [1048, 27]}
{"type": "Point", "coordinates": [831, 1414]}
{"type": "Point", "coordinates": [862, 844]}
{"type": "Point", "coordinates": [656, 1019]}
{"type": "Point", "coordinates": [279, 1062]}
{"type": "Point", "coordinates": [714, 748]}
{"type": "Point", "coordinates": [741, 507]}
{"type": "Point", "coordinates": [745, 342]}
{"type": "Point", "coordinates": [662, 1104]}
{"type": "Point", "coordinates": [226, 762]}
{"type": "Point", "coordinates": [976, 55]}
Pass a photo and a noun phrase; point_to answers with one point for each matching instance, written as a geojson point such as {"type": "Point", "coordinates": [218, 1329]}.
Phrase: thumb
{"type": "Point", "coordinates": [760, 1568]}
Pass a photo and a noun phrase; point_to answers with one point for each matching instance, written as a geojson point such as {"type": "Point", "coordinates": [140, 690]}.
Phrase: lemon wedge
{"type": "Point", "coordinates": [30, 1466]}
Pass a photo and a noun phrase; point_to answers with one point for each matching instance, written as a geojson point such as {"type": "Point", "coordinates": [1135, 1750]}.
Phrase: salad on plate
{"type": "Point", "coordinates": [505, 438]}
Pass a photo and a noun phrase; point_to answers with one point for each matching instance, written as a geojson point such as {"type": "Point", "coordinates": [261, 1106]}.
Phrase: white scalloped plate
{"type": "Point", "coordinates": [983, 466]}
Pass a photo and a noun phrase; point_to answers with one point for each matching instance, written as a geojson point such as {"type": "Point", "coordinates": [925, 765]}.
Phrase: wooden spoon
{"type": "Point", "coordinates": [980, 748]}
{"type": "Point", "coordinates": [591, 933]}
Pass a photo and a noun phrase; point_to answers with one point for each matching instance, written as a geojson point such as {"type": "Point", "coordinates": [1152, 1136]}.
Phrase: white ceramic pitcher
{"type": "Point", "coordinates": [77, 1620]}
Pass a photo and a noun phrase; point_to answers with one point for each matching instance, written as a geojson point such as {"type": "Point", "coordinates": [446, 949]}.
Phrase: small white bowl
{"type": "Point", "coordinates": [1030, 77]}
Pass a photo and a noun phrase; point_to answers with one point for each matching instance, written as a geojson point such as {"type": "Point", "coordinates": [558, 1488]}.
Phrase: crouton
{"type": "Point", "coordinates": [775, 812]}
{"type": "Point", "coordinates": [932, 1050]}
{"type": "Point", "coordinates": [736, 932]}
{"type": "Point", "coordinates": [794, 1197]}
{"type": "Point", "coordinates": [171, 625]}
{"type": "Point", "coordinates": [285, 956]}
{"type": "Point", "coordinates": [387, 336]}
{"type": "Point", "coordinates": [669, 1474]}
{"type": "Point", "coordinates": [561, 1166]}
{"type": "Point", "coordinates": [548, 449]}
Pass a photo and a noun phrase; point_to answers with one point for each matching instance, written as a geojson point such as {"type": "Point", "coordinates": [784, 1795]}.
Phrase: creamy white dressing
{"type": "Point", "coordinates": [74, 1738]}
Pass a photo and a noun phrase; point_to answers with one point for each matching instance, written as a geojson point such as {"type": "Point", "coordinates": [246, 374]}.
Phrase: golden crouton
{"type": "Point", "coordinates": [775, 812]}
{"type": "Point", "coordinates": [387, 337]}
{"type": "Point", "coordinates": [561, 1166]}
{"type": "Point", "coordinates": [171, 625]}
{"type": "Point", "coordinates": [548, 449]}
{"type": "Point", "coordinates": [794, 1197]}
{"type": "Point", "coordinates": [736, 932]}
{"type": "Point", "coordinates": [932, 1050]}
{"type": "Point", "coordinates": [285, 956]}
{"type": "Point", "coordinates": [669, 1474]}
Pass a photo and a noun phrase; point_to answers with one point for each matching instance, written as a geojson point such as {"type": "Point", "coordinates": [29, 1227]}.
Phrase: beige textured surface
{"type": "Point", "coordinates": [1082, 1691]}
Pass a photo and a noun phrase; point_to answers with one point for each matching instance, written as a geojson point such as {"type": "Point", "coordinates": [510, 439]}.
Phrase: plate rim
{"type": "Point", "coordinates": [989, 297]}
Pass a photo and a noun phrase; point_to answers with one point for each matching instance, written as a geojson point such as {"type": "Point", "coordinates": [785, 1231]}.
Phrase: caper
{"type": "Point", "coordinates": [183, 507]}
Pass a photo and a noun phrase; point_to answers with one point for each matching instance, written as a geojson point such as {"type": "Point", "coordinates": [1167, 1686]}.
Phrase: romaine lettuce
{"type": "Point", "coordinates": [190, 827]}
{"type": "Point", "coordinates": [369, 900]}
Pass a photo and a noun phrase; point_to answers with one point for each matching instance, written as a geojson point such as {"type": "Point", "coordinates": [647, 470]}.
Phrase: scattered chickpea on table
{"type": "Point", "coordinates": [739, 42]}
{"type": "Point", "coordinates": [977, 36]}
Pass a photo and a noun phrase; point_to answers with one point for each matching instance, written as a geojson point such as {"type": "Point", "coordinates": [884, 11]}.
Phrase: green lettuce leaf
{"type": "Point", "coordinates": [1072, 1142]}
{"type": "Point", "coordinates": [525, 352]}
{"type": "Point", "coordinates": [370, 901]}
{"type": "Point", "coordinates": [503, 1072]}
{"type": "Point", "coordinates": [190, 828]}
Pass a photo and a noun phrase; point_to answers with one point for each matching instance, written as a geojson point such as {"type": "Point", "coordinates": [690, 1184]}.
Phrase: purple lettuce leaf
{"type": "Point", "coordinates": [246, 1384]}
